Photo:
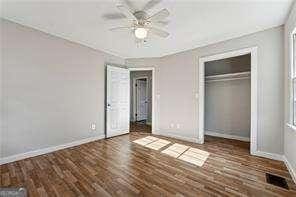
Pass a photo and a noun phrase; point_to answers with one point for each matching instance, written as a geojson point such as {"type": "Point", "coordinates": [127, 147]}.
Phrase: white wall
{"type": "Point", "coordinates": [1, 99]}
{"type": "Point", "coordinates": [290, 134]}
{"type": "Point", "coordinates": [136, 74]}
{"type": "Point", "coordinates": [52, 90]}
{"type": "Point", "coordinates": [176, 83]}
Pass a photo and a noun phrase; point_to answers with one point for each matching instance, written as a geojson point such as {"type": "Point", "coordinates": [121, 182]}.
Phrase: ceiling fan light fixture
{"type": "Point", "coordinates": [141, 32]}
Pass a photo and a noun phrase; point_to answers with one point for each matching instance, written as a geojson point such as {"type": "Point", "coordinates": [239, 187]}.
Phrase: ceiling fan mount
{"type": "Point", "coordinates": [141, 15]}
{"type": "Point", "coordinates": [140, 21]}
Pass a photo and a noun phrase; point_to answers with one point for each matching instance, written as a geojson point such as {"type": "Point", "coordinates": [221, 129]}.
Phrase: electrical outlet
{"type": "Point", "coordinates": [172, 125]}
{"type": "Point", "coordinates": [93, 126]}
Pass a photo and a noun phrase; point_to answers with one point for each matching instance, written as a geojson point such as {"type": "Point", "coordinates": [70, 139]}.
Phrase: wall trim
{"type": "Point", "coordinates": [172, 135]}
{"type": "Point", "coordinates": [228, 136]}
{"type": "Point", "coordinates": [42, 151]}
{"type": "Point", "coordinates": [273, 156]}
{"type": "Point", "coordinates": [254, 91]}
{"type": "Point", "coordinates": [290, 168]}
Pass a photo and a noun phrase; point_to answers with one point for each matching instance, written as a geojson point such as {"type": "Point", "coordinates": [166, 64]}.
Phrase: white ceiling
{"type": "Point", "coordinates": [193, 23]}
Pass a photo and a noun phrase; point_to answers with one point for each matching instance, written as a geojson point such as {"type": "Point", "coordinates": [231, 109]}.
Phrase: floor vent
{"type": "Point", "coordinates": [276, 180]}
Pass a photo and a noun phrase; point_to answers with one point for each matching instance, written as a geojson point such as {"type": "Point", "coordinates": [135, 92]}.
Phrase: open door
{"type": "Point", "coordinates": [117, 101]}
{"type": "Point", "coordinates": [142, 99]}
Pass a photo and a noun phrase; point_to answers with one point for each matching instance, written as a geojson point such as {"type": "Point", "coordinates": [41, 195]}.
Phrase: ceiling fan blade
{"type": "Point", "coordinates": [151, 4]}
{"type": "Point", "coordinates": [130, 5]}
{"type": "Point", "coordinates": [113, 16]}
{"type": "Point", "coordinates": [161, 23]}
{"type": "Point", "coordinates": [126, 12]}
{"type": "Point", "coordinates": [120, 28]}
{"type": "Point", "coordinates": [159, 15]}
{"type": "Point", "coordinates": [158, 32]}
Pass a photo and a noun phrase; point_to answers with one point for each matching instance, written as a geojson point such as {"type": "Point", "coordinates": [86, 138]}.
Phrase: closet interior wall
{"type": "Point", "coordinates": [228, 97]}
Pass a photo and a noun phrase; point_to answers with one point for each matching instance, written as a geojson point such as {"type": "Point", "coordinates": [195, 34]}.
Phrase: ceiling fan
{"type": "Point", "coordinates": [141, 24]}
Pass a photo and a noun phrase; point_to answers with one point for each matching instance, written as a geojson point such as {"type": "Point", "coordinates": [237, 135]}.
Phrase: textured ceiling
{"type": "Point", "coordinates": [192, 23]}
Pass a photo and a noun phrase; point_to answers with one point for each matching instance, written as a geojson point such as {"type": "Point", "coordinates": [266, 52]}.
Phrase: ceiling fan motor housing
{"type": "Point", "coordinates": [142, 17]}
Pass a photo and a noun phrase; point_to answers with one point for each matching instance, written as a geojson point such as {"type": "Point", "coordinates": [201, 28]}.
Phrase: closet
{"type": "Point", "coordinates": [228, 97]}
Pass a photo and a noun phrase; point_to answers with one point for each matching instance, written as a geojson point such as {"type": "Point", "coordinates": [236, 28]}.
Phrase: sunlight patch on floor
{"type": "Point", "coordinates": [152, 142]}
{"type": "Point", "coordinates": [175, 150]}
{"type": "Point", "coordinates": [146, 140]}
{"type": "Point", "coordinates": [185, 153]}
{"type": "Point", "coordinates": [156, 145]}
{"type": "Point", "coordinates": [195, 156]}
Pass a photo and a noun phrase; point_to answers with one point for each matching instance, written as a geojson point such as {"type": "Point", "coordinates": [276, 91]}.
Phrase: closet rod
{"type": "Point", "coordinates": [228, 77]}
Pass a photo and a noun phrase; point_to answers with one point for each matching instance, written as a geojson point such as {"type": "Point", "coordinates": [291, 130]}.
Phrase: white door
{"type": "Point", "coordinates": [142, 101]}
{"type": "Point", "coordinates": [118, 103]}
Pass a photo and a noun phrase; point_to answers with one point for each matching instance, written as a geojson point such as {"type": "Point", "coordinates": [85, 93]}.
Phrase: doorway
{"type": "Point", "coordinates": [141, 101]}
{"type": "Point", "coordinates": [119, 101]}
{"type": "Point", "coordinates": [253, 92]}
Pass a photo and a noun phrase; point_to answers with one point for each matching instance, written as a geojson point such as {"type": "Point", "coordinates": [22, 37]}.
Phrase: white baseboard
{"type": "Point", "coordinates": [167, 134]}
{"type": "Point", "coordinates": [47, 150]}
{"type": "Point", "coordinates": [273, 156]}
{"type": "Point", "coordinates": [291, 170]}
{"type": "Point", "coordinates": [234, 137]}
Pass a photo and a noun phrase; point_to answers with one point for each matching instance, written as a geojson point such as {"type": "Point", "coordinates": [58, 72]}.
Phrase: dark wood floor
{"type": "Point", "coordinates": [140, 127]}
{"type": "Point", "coordinates": [119, 167]}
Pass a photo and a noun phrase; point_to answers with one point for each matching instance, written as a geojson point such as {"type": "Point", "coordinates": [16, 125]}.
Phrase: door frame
{"type": "Point", "coordinates": [254, 92]}
{"type": "Point", "coordinates": [135, 98]}
{"type": "Point", "coordinates": [153, 93]}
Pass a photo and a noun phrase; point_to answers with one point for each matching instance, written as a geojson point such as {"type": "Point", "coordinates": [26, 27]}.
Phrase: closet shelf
{"type": "Point", "coordinates": [228, 77]}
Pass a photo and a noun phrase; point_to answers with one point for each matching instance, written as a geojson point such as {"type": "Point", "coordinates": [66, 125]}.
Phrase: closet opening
{"type": "Point", "coordinates": [228, 99]}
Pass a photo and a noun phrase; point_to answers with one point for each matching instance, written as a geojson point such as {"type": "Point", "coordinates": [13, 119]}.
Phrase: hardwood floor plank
{"type": "Point", "coordinates": [119, 167]}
